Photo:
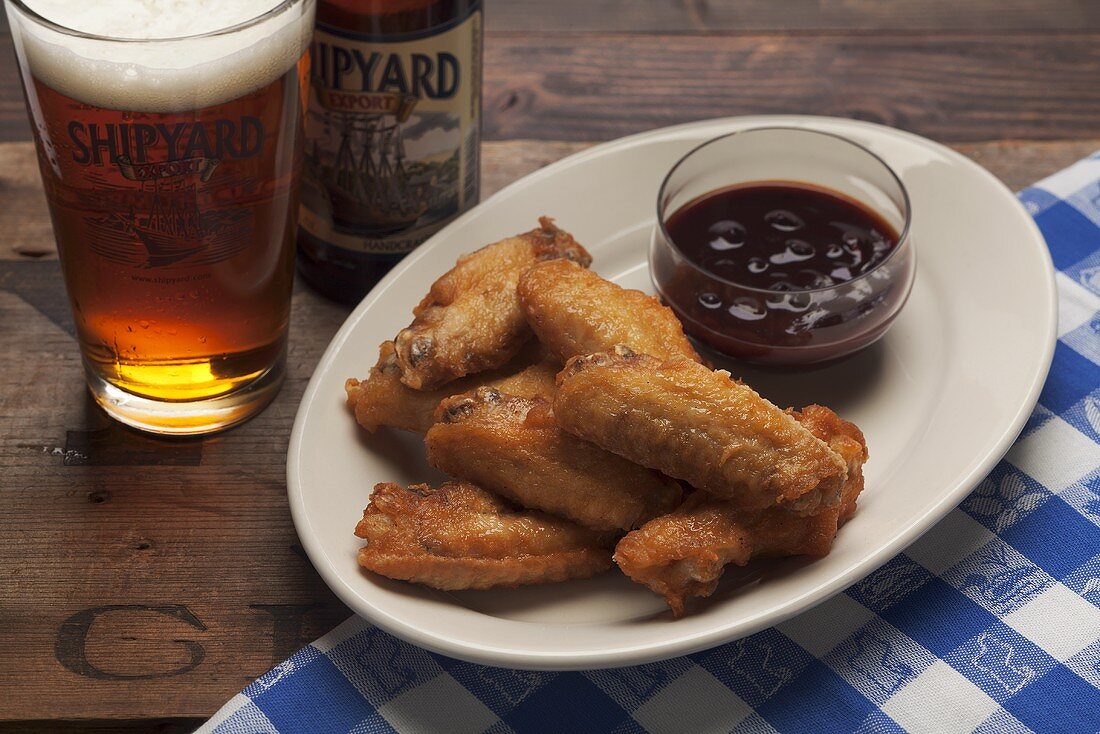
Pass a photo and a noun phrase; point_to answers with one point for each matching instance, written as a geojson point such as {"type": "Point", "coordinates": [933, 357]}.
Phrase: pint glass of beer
{"type": "Point", "coordinates": [169, 137]}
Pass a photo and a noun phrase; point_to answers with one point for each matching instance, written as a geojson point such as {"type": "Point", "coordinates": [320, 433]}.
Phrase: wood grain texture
{"type": "Point", "coordinates": [967, 85]}
{"type": "Point", "coordinates": [741, 16]}
{"type": "Point", "coordinates": [156, 582]}
{"type": "Point", "coordinates": [954, 88]}
{"type": "Point", "coordinates": [13, 112]}
{"type": "Point", "coordinates": [24, 218]}
{"type": "Point", "coordinates": [144, 581]}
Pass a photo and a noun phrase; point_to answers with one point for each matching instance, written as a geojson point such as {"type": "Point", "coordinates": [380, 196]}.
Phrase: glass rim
{"type": "Point", "coordinates": [903, 234]}
{"type": "Point", "coordinates": [271, 12]}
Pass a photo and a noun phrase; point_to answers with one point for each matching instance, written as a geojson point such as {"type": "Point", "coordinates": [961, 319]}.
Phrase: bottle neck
{"type": "Point", "coordinates": [382, 17]}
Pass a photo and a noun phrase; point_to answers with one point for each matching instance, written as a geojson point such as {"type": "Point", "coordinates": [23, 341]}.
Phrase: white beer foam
{"type": "Point", "coordinates": [159, 74]}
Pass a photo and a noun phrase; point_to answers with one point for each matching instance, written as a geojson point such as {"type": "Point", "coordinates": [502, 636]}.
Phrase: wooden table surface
{"type": "Point", "coordinates": [143, 582]}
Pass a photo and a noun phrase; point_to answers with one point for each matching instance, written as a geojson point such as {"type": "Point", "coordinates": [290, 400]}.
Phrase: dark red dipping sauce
{"type": "Point", "coordinates": [773, 247]}
{"type": "Point", "coordinates": [781, 236]}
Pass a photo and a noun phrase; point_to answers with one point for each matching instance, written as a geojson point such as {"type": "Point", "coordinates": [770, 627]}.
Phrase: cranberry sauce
{"type": "Point", "coordinates": [787, 238]}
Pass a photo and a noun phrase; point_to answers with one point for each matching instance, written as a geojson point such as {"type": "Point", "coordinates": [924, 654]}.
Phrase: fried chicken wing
{"type": "Point", "coordinates": [848, 442]}
{"type": "Point", "coordinates": [684, 553]}
{"type": "Point", "coordinates": [513, 446]}
{"type": "Point", "coordinates": [383, 400]}
{"type": "Point", "coordinates": [461, 537]}
{"type": "Point", "coordinates": [699, 426]}
{"type": "Point", "coordinates": [574, 311]}
{"type": "Point", "coordinates": [471, 319]}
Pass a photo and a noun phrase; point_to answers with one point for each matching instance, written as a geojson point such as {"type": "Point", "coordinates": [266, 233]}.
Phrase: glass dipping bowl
{"type": "Point", "coordinates": [793, 327]}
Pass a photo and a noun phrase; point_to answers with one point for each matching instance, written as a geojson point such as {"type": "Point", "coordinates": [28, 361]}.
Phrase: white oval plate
{"type": "Point", "coordinates": [941, 398]}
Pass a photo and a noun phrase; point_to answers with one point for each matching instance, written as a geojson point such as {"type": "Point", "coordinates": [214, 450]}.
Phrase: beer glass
{"type": "Point", "coordinates": [169, 140]}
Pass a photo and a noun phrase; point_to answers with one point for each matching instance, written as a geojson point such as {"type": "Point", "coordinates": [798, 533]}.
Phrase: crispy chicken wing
{"type": "Point", "coordinates": [683, 554]}
{"type": "Point", "coordinates": [700, 426]}
{"type": "Point", "coordinates": [471, 320]}
{"type": "Point", "coordinates": [574, 311]}
{"type": "Point", "coordinates": [847, 441]}
{"type": "Point", "coordinates": [461, 537]}
{"type": "Point", "coordinates": [383, 400]}
{"type": "Point", "coordinates": [512, 446]}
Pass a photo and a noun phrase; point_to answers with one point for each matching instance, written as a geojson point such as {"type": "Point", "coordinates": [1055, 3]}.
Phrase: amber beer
{"type": "Point", "coordinates": [171, 174]}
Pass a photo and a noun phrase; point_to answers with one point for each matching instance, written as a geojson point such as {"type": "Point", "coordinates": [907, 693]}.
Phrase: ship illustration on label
{"type": "Point", "coordinates": [372, 185]}
{"type": "Point", "coordinates": [161, 224]}
{"type": "Point", "coordinates": [392, 142]}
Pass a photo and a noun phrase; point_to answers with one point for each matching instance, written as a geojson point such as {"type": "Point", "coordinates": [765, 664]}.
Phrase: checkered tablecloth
{"type": "Point", "coordinates": [989, 623]}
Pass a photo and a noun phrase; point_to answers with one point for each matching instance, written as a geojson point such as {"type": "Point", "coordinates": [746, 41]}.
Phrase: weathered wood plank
{"type": "Point", "coordinates": [909, 16]}
{"type": "Point", "coordinates": [596, 86]}
{"type": "Point", "coordinates": [955, 88]}
{"type": "Point", "coordinates": [150, 580]}
{"type": "Point", "coordinates": [24, 218]}
{"type": "Point", "coordinates": [141, 577]}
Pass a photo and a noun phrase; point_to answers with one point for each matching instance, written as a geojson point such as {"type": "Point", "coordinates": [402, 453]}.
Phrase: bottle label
{"type": "Point", "coordinates": [392, 135]}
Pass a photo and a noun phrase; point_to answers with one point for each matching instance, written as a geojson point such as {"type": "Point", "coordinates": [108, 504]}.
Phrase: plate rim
{"type": "Point", "coordinates": [668, 648]}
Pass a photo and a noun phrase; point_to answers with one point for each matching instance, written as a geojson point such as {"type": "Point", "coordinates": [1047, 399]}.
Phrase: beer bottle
{"type": "Point", "coordinates": [392, 135]}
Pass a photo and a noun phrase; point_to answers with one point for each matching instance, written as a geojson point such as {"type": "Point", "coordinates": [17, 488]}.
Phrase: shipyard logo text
{"type": "Point", "coordinates": [165, 221]}
{"type": "Point", "coordinates": [430, 76]}
{"type": "Point", "coordinates": [143, 150]}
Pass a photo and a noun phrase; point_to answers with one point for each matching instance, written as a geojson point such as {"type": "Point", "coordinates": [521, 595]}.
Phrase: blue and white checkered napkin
{"type": "Point", "coordinates": [989, 623]}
